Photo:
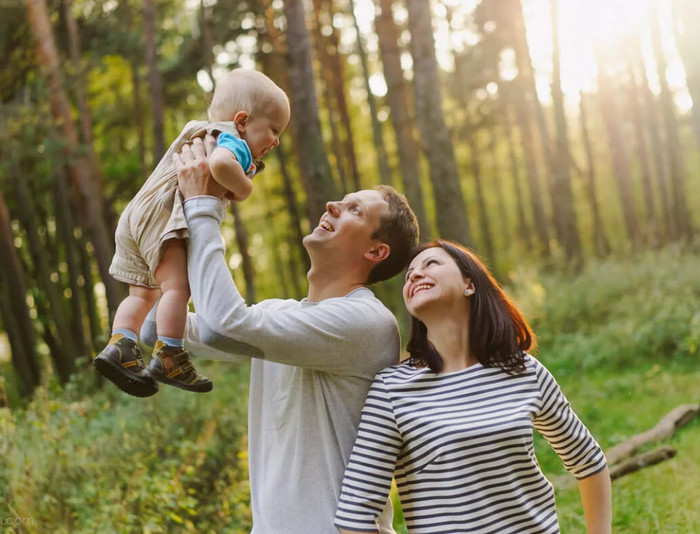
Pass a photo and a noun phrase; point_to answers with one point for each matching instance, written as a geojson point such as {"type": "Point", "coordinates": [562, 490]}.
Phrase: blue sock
{"type": "Point", "coordinates": [128, 334]}
{"type": "Point", "coordinates": [170, 341]}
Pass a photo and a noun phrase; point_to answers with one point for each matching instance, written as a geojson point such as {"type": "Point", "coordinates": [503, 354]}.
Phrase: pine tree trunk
{"type": "Point", "coordinates": [92, 218]}
{"type": "Point", "coordinates": [450, 208]}
{"type": "Point", "coordinates": [617, 149]}
{"type": "Point", "coordinates": [523, 228]}
{"type": "Point", "coordinates": [533, 179]}
{"type": "Point", "coordinates": [336, 61]}
{"type": "Point", "coordinates": [397, 98]}
{"type": "Point", "coordinates": [330, 103]}
{"type": "Point", "coordinates": [155, 85]}
{"type": "Point", "coordinates": [600, 241]}
{"type": "Point", "coordinates": [673, 143]}
{"type": "Point", "coordinates": [64, 222]}
{"type": "Point", "coordinates": [654, 128]}
{"type": "Point", "coordinates": [562, 199]}
{"type": "Point", "coordinates": [483, 209]}
{"type": "Point", "coordinates": [314, 162]}
{"type": "Point", "coordinates": [495, 171]}
{"type": "Point", "coordinates": [65, 366]}
{"type": "Point", "coordinates": [134, 65]}
{"type": "Point", "coordinates": [85, 114]}
{"type": "Point", "coordinates": [13, 307]}
{"type": "Point", "coordinates": [652, 223]}
{"type": "Point", "coordinates": [385, 172]}
{"type": "Point", "coordinates": [686, 13]}
{"type": "Point", "coordinates": [247, 261]}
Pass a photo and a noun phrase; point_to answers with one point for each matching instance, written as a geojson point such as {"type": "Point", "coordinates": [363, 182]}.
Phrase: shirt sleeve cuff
{"type": "Point", "coordinates": [204, 205]}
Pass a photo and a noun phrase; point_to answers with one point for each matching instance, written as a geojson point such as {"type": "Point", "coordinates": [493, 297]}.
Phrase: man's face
{"type": "Point", "coordinates": [345, 229]}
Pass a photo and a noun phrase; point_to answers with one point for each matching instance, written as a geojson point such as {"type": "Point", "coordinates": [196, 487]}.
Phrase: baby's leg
{"type": "Point", "coordinates": [171, 274]}
{"type": "Point", "coordinates": [134, 308]}
{"type": "Point", "coordinates": [170, 362]}
{"type": "Point", "coordinates": [120, 361]}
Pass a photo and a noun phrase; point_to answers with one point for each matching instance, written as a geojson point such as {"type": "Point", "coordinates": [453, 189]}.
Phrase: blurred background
{"type": "Point", "coordinates": [559, 139]}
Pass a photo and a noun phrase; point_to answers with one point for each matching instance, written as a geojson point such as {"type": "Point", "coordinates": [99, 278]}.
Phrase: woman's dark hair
{"type": "Point", "coordinates": [498, 333]}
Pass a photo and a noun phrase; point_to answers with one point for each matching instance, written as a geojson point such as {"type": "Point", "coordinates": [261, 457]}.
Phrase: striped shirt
{"type": "Point", "coordinates": [460, 446]}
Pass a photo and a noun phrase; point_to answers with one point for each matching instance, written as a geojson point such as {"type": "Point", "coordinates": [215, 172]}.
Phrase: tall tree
{"type": "Point", "coordinates": [600, 241]}
{"type": "Point", "coordinates": [14, 310]}
{"type": "Point", "coordinates": [685, 14]}
{"type": "Point", "coordinates": [523, 229]}
{"type": "Point", "coordinates": [616, 141]}
{"type": "Point", "coordinates": [385, 174]}
{"type": "Point", "coordinates": [451, 217]}
{"type": "Point", "coordinates": [155, 84]}
{"type": "Point", "coordinates": [674, 148]}
{"type": "Point", "coordinates": [397, 98]}
{"type": "Point", "coordinates": [314, 162]}
{"type": "Point", "coordinates": [481, 206]}
{"type": "Point", "coordinates": [562, 199]}
{"type": "Point", "coordinates": [78, 166]}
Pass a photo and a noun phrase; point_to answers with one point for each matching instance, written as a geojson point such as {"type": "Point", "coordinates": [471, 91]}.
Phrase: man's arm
{"type": "Point", "coordinates": [317, 336]}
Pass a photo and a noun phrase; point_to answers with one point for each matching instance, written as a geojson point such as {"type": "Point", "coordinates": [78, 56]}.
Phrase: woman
{"type": "Point", "coordinates": [453, 423]}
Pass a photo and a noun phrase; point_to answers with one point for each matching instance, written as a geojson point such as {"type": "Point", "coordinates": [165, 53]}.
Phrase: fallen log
{"type": "Point", "coordinates": [642, 460]}
{"type": "Point", "coordinates": [664, 429]}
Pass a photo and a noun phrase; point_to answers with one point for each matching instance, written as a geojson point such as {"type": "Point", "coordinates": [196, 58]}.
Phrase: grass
{"type": "Point", "coordinates": [622, 339]}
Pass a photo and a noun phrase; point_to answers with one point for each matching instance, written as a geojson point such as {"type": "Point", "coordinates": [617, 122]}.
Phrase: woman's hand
{"type": "Point", "coordinates": [193, 175]}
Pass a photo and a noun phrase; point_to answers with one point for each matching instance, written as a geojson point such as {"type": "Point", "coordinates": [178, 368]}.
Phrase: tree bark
{"type": "Point", "coordinates": [561, 196]}
{"type": "Point", "coordinates": [247, 261]}
{"type": "Point", "coordinates": [15, 312]}
{"type": "Point", "coordinates": [450, 208]}
{"type": "Point", "coordinates": [336, 62]}
{"type": "Point", "coordinates": [600, 241]}
{"type": "Point", "coordinates": [617, 149]}
{"type": "Point", "coordinates": [155, 84]}
{"type": "Point", "coordinates": [483, 209]}
{"type": "Point", "coordinates": [92, 218]}
{"type": "Point", "coordinates": [385, 172]}
{"type": "Point", "coordinates": [331, 105]}
{"type": "Point", "coordinates": [523, 229]}
{"type": "Point", "coordinates": [64, 360]}
{"type": "Point", "coordinates": [665, 428]}
{"type": "Point", "coordinates": [314, 162]}
{"type": "Point", "coordinates": [397, 98]}
{"type": "Point", "coordinates": [673, 143]}
{"type": "Point", "coordinates": [685, 14]}
{"type": "Point", "coordinates": [640, 462]}
{"type": "Point", "coordinates": [533, 179]}
{"type": "Point", "coordinates": [652, 223]}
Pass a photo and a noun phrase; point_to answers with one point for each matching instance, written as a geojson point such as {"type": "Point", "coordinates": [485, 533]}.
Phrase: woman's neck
{"type": "Point", "coordinates": [450, 337]}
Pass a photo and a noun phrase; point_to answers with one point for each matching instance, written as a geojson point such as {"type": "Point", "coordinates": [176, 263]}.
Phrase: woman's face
{"type": "Point", "coordinates": [434, 280]}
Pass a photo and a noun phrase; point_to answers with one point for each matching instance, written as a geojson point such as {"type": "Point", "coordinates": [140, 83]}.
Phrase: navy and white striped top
{"type": "Point", "coordinates": [461, 449]}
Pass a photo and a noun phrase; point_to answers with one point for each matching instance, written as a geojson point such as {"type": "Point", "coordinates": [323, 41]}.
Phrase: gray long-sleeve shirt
{"type": "Point", "coordinates": [311, 368]}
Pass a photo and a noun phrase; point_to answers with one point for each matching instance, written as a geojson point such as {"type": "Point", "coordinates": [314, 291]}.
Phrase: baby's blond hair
{"type": "Point", "coordinates": [245, 90]}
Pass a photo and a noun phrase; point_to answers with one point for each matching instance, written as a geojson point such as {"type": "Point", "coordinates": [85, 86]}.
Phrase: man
{"type": "Point", "coordinates": [313, 360]}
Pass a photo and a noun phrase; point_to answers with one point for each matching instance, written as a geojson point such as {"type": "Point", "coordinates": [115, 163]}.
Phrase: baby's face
{"type": "Point", "coordinates": [262, 133]}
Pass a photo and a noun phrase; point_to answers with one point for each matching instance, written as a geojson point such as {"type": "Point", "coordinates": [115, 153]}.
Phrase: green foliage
{"type": "Point", "coordinates": [109, 462]}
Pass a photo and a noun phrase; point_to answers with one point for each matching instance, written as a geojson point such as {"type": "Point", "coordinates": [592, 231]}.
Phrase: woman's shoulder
{"type": "Point", "coordinates": [401, 373]}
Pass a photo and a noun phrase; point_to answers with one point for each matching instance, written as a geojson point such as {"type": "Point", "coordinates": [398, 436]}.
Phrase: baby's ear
{"type": "Point", "coordinates": [241, 119]}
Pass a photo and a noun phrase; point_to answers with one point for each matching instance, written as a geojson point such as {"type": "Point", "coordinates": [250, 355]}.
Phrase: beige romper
{"type": "Point", "coordinates": [156, 214]}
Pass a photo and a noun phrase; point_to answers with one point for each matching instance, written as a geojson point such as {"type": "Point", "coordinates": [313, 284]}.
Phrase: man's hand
{"type": "Point", "coordinates": [193, 175]}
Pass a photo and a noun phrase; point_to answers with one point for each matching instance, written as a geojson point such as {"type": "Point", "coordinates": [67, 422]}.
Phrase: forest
{"type": "Point", "coordinates": [559, 140]}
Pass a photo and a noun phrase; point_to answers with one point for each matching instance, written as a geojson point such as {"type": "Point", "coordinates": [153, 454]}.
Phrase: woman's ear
{"type": "Point", "coordinates": [241, 119]}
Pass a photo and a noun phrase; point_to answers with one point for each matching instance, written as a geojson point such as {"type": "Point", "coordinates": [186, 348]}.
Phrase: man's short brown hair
{"type": "Point", "coordinates": [399, 230]}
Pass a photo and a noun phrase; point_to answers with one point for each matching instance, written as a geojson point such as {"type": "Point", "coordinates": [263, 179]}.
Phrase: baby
{"type": "Point", "coordinates": [248, 113]}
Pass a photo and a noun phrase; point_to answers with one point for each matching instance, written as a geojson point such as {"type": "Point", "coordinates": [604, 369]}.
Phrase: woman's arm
{"type": "Point", "coordinates": [596, 497]}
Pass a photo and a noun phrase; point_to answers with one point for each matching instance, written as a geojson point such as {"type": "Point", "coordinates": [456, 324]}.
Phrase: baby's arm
{"type": "Point", "coordinates": [228, 172]}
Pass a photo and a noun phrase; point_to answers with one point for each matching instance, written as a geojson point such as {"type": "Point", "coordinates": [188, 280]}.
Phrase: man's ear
{"type": "Point", "coordinates": [378, 253]}
{"type": "Point", "coordinates": [241, 119]}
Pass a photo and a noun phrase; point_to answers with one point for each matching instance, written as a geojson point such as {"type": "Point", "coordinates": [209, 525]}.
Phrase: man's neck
{"type": "Point", "coordinates": [325, 284]}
